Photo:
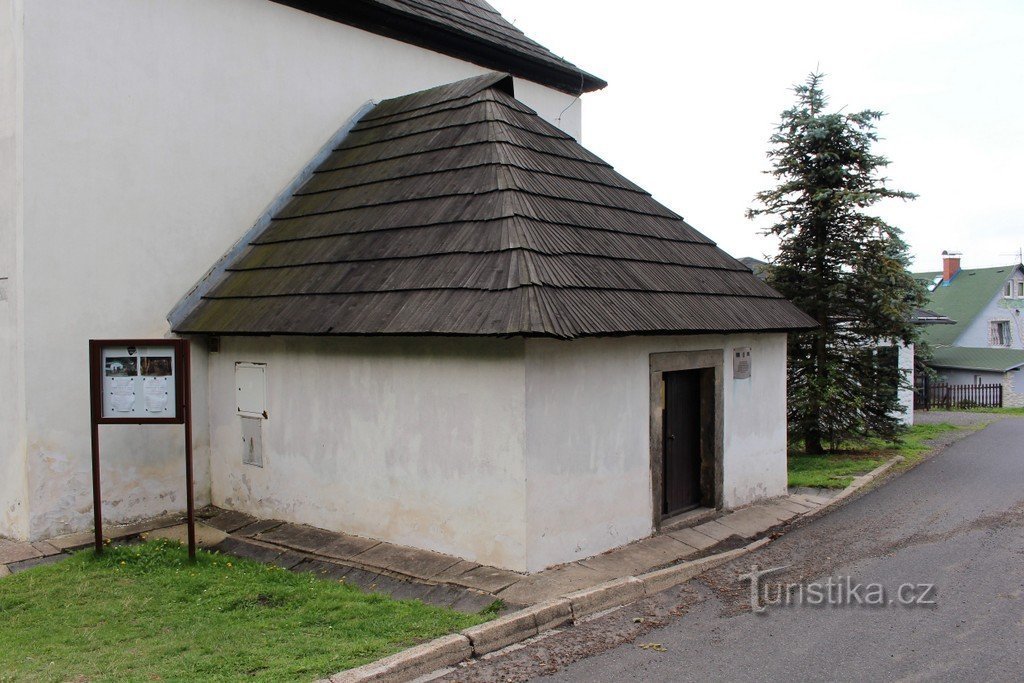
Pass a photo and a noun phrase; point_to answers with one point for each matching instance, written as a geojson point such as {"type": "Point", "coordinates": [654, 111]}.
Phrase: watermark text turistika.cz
{"type": "Point", "coordinates": [841, 591]}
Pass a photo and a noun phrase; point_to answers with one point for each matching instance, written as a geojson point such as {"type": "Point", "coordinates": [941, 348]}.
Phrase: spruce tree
{"type": "Point", "coordinates": [841, 265]}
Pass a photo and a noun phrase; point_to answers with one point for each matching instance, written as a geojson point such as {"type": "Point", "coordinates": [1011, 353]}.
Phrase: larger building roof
{"type": "Point", "coordinates": [459, 211]}
{"type": "Point", "coordinates": [470, 30]}
{"type": "Point", "coordinates": [967, 358]}
{"type": "Point", "coordinates": [962, 299]}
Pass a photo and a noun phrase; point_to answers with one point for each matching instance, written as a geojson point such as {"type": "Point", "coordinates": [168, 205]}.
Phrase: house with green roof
{"type": "Point", "coordinates": [985, 342]}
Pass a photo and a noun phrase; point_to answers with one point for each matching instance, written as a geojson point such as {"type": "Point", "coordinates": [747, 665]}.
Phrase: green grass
{"type": "Point", "coordinates": [1000, 411]}
{"type": "Point", "coordinates": [837, 470]}
{"type": "Point", "coordinates": [828, 471]}
{"type": "Point", "coordinates": [143, 612]}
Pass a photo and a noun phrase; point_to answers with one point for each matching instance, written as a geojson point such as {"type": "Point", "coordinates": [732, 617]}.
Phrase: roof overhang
{"type": "Point", "coordinates": [382, 19]}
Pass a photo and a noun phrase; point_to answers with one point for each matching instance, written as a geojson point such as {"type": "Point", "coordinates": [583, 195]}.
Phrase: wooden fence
{"type": "Point", "coordinates": [958, 396]}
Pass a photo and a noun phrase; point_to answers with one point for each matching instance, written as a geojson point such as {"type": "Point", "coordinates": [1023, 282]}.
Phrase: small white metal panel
{"type": "Point", "coordinates": [251, 389]}
{"type": "Point", "coordinates": [252, 441]}
{"type": "Point", "coordinates": [139, 382]}
{"type": "Point", "coordinates": [741, 362]}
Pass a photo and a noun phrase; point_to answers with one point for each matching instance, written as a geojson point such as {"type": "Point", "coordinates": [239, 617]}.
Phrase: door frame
{"type": "Point", "coordinates": [660, 363]}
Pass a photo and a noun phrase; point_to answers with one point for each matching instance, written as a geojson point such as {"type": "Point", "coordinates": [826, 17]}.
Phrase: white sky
{"type": "Point", "coordinates": [696, 88]}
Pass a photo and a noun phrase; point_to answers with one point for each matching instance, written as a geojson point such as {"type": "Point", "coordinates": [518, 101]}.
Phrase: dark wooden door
{"type": "Point", "coordinates": [682, 448]}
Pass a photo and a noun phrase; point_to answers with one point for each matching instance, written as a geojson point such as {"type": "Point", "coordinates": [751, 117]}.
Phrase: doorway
{"type": "Point", "coordinates": [682, 447]}
{"type": "Point", "coordinates": [686, 432]}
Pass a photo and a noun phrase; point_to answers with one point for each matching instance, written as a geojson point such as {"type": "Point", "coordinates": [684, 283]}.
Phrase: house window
{"type": "Point", "coordinates": [1020, 289]}
{"type": "Point", "coordinates": [1008, 290]}
{"type": "Point", "coordinates": [1000, 333]}
{"type": "Point", "coordinates": [977, 379]}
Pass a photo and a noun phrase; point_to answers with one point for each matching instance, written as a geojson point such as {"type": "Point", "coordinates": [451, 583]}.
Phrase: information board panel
{"type": "Point", "coordinates": [137, 381]}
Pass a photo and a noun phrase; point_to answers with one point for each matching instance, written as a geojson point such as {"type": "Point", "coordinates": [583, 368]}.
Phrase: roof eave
{"type": "Point", "coordinates": [390, 23]}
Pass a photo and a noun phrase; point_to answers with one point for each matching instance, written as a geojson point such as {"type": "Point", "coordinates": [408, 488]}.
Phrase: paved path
{"type": "Point", "coordinates": [956, 521]}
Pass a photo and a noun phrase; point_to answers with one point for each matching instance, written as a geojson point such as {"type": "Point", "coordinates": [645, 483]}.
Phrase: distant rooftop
{"type": "Point", "coordinates": [962, 299]}
{"type": "Point", "coordinates": [970, 358]}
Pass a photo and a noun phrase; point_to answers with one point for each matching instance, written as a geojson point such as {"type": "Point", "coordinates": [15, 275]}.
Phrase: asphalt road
{"type": "Point", "coordinates": [956, 521]}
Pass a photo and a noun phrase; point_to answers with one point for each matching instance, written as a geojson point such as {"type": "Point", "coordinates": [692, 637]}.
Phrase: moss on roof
{"type": "Point", "coordinates": [963, 298]}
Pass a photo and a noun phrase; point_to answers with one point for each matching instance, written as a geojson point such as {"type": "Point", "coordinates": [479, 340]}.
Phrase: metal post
{"type": "Point", "coordinates": [97, 504]}
{"type": "Point", "coordinates": [187, 407]}
{"type": "Point", "coordinates": [94, 408]}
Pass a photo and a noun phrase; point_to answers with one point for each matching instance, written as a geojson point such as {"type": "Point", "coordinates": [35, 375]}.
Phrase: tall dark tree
{"type": "Point", "coordinates": [843, 266]}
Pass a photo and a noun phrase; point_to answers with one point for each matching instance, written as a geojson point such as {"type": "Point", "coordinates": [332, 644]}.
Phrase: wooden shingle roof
{"type": "Point", "coordinates": [459, 211]}
{"type": "Point", "coordinates": [471, 30]}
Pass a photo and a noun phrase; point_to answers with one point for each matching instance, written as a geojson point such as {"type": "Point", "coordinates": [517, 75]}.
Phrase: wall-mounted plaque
{"type": "Point", "coordinates": [741, 362]}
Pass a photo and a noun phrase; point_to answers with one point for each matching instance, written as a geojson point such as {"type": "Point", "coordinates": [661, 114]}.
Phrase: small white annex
{"type": "Point", "coordinates": [420, 311]}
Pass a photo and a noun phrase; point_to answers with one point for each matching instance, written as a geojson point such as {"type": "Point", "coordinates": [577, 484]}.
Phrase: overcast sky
{"type": "Point", "coordinates": [696, 88]}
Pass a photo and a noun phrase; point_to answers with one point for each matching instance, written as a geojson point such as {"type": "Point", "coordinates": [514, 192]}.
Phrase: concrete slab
{"type": "Point", "coordinates": [455, 571]}
{"type": "Point", "coordinates": [487, 579]}
{"type": "Point", "coordinates": [641, 556]}
{"type": "Point", "coordinates": [120, 531]}
{"type": "Point", "coordinates": [16, 551]}
{"type": "Point", "coordinates": [551, 584]}
{"type": "Point", "coordinates": [71, 542]}
{"type": "Point", "coordinates": [46, 548]}
{"type": "Point", "coordinates": [793, 506]}
{"type": "Point", "coordinates": [347, 546]}
{"type": "Point", "coordinates": [410, 664]}
{"type": "Point", "coordinates": [502, 631]}
{"type": "Point", "coordinates": [258, 527]}
{"type": "Point", "coordinates": [693, 538]}
{"type": "Point", "coordinates": [299, 537]}
{"type": "Point", "coordinates": [16, 567]}
{"type": "Point", "coordinates": [241, 547]}
{"type": "Point", "coordinates": [229, 520]}
{"type": "Point", "coordinates": [361, 578]}
{"type": "Point", "coordinates": [605, 596]}
{"type": "Point", "coordinates": [749, 522]}
{"type": "Point", "coordinates": [446, 595]}
{"type": "Point", "coordinates": [206, 536]}
{"type": "Point", "coordinates": [411, 590]}
{"type": "Point", "coordinates": [780, 512]}
{"type": "Point", "coordinates": [421, 564]}
{"type": "Point", "coordinates": [715, 530]}
{"type": "Point", "coordinates": [472, 602]}
{"type": "Point", "coordinates": [288, 559]}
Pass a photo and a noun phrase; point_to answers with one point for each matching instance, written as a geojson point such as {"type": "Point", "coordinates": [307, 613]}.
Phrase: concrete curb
{"type": "Point", "coordinates": [857, 484]}
{"type": "Point", "coordinates": [410, 664]}
{"type": "Point", "coordinates": [526, 623]}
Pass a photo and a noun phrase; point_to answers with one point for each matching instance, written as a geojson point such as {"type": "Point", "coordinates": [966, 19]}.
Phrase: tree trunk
{"type": "Point", "coordinates": [812, 442]}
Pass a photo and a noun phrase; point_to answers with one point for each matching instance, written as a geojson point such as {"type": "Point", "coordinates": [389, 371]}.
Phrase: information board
{"type": "Point", "coordinates": [138, 382]}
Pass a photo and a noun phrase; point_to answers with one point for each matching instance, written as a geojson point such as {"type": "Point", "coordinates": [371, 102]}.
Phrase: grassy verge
{"type": "Point", "coordinates": [144, 612]}
{"type": "Point", "coordinates": [837, 470]}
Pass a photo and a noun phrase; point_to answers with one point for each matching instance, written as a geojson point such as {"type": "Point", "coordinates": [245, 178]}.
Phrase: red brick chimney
{"type": "Point", "coordinates": [950, 265]}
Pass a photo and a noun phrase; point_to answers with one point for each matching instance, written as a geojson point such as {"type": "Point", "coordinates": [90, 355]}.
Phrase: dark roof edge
{"type": "Point", "coordinates": [384, 21]}
{"type": "Point", "coordinates": [497, 335]}
{"type": "Point", "coordinates": [188, 303]}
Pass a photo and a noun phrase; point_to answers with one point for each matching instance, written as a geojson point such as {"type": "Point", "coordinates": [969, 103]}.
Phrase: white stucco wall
{"type": "Point", "coordinates": [954, 376]}
{"type": "Point", "coordinates": [588, 437]}
{"type": "Point", "coordinates": [155, 133]}
{"type": "Point", "coordinates": [520, 454]}
{"type": "Point", "coordinates": [13, 482]}
{"type": "Point", "coordinates": [415, 441]}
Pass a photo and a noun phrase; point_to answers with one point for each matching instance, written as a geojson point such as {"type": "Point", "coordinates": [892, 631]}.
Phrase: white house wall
{"type": "Point", "coordinates": [416, 441]}
{"type": "Point", "coordinates": [588, 437]}
{"type": "Point", "coordinates": [155, 134]}
{"type": "Point", "coordinates": [13, 508]}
